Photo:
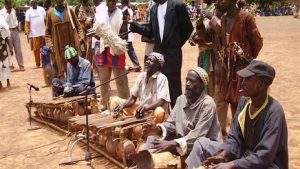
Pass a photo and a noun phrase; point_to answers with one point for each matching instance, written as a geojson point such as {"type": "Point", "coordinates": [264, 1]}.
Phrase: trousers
{"type": "Point", "coordinates": [174, 79]}
{"type": "Point", "coordinates": [132, 55]}
{"type": "Point", "coordinates": [15, 43]}
{"type": "Point", "coordinates": [122, 83]}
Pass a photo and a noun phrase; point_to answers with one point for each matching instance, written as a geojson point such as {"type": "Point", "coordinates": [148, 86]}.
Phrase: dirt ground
{"type": "Point", "coordinates": [46, 148]}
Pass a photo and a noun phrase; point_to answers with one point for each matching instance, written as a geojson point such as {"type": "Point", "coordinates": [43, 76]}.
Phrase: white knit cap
{"type": "Point", "coordinates": [202, 74]}
{"type": "Point", "coordinates": [159, 57]}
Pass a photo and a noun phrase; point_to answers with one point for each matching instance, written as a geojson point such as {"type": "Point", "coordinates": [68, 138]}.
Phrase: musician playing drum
{"type": "Point", "coordinates": [150, 87]}
{"type": "Point", "coordinates": [192, 118]}
{"type": "Point", "coordinates": [79, 76]}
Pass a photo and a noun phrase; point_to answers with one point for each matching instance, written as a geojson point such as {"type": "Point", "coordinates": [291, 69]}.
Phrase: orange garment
{"type": "Point", "coordinates": [35, 44]}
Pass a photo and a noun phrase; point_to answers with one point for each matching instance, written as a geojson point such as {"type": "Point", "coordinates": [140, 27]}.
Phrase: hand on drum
{"type": "Point", "coordinates": [152, 130]}
{"type": "Point", "coordinates": [68, 91]}
{"type": "Point", "coordinates": [164, 145]}
{"type": "Point", "coordinates": [216, 159]}
{"type": "Point", "coordinates": [140, 111]}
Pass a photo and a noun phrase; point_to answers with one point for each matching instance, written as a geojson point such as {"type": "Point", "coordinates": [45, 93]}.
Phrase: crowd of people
{"type": "Point", "coordinates": [275, 9]}
{"type": "Point", "coordinates": [190, 124]}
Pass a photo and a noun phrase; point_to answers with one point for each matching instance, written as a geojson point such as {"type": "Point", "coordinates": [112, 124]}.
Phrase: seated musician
{"type": "Point", "coordinates": [79, 76]}
{"type": "Point", "coordinates": [258, 134]}
{"type": "Point", "coordinates": [193, 118]}
{"type": "Point", "coordinates": [150, 87]}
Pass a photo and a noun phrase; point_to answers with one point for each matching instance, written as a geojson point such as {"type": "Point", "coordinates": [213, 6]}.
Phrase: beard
{"type": "Point", "coordinates": [190, 94]}
{"type": "Point", "coordinates": [146, 68]}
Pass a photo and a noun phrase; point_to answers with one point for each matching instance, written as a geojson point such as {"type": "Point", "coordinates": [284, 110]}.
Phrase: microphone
{"type": "Point", "coordinates": [35, 88]}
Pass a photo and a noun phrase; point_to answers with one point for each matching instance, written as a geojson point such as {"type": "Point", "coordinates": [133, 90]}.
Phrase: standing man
{"type": "Point", "coordinates": [241, 43]}
{"type": "Point", "coordinates": [258, 137]}
{"type": "Point", "coordinates": [212, 29]}
{"type": "Point", "coordinates": [86, 15]}
{"type": "Point", "coordinates": [99, 7]}
{"type": "Point", "coordinates": [108, 61]}
{"type": "Point", "coordinates": [206, 55]}
{"type": "Point", "coordinates": [170, 26]}
{"type": "Point", "coordinates": [14, 41]}
{"type": "Point", "coordinates": [62, 28]}
{"type": "Point", "coordinates": [35, 28]}
{"type": "Point", "coordinates": [130, 51]}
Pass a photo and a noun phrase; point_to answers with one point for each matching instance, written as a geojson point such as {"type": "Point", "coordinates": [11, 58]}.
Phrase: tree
{"type": "Point", "coordinates": [18, 3]}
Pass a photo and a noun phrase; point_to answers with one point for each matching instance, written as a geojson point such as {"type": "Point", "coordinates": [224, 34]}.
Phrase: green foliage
{"type": "Point", "coordinates": [74, 2]}
{"type": "Point", "coordinates": [17, 3]}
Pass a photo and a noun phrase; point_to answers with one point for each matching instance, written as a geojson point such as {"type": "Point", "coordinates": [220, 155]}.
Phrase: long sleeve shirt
{"type": "Point", "coordinates": [81, 74]}
{"type": "Point", "coordinates": [187, 123]}
{"type": "Point", "coordinates": [260, 142]}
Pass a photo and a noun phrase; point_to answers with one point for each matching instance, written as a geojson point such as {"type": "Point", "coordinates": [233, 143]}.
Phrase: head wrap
{"type": "Point", "coordinates": [70, 52]}
{"type": "Point", "coordinates": [159, 57]}
{"type": "Point", "coordinates": [202, 74]}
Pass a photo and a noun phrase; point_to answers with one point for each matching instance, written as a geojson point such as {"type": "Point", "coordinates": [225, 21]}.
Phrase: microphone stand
{"type": "Point", "coordinates": [88, 156]}
{"type": "Point", "coordinates": [30, 105]}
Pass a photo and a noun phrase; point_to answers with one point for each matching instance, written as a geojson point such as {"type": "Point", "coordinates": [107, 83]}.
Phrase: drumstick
{"type": "Point", "coordinates": [70, 16]}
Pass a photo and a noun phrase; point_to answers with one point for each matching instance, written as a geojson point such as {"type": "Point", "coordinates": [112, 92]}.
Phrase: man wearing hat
{"type": "Point", "coordinates": [193, 118]}
{"type": "Point", "coordinates": [79, 76]}
{"type": "Point", "coordinates": [258, 135]}
{"type": "Point", "coordinates": [151, 88]}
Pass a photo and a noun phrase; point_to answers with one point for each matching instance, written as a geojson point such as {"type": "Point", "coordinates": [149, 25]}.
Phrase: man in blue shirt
{"type": "Point", "coordinates": [79, 76]}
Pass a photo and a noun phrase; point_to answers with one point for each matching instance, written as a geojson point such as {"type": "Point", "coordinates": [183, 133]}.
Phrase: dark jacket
{"type": "Point", "coordinates": [178, 28]}
{"type": "Point", "coordinates": [264, 144]}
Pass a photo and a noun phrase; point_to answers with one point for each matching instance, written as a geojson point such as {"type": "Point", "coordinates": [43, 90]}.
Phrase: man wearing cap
{"type": "Point", "coordinates": [79, 76]}
{"type": "Point", "coordinates": [192, 118]}
{"type": "Point", "coordinates": [258, 135]}
{"type": "Point", "coordinates": [151, 88]}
